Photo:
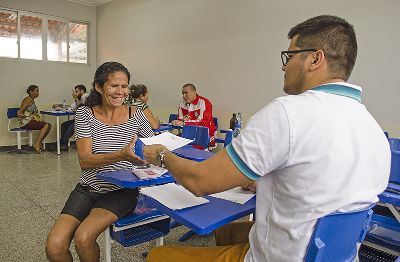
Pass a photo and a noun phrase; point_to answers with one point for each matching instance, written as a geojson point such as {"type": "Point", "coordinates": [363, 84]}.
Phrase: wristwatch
{"type": "Point", "coordinates": [161, 157]}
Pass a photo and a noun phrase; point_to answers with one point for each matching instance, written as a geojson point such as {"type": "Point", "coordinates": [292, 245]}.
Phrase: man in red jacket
{"type": "Point", "coordinates": [195, 110]}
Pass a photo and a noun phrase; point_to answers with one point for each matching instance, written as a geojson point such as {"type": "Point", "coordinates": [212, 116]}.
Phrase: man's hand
{"type": "Point", "coordinates": [151, 153]}
{"type": "Point", "coordinates": [177, 122]}
{"type": "Point", "coordinates": [128, 154]}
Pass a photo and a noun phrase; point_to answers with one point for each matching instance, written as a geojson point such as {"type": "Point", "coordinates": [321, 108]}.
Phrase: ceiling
{"type": "Point", "coordinates": [90, 2]}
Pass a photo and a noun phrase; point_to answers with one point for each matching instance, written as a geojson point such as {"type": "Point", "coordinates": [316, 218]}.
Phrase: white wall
{"type": "Point", "coordinates": [55, 79]}
{"type": "Point", "coordinates": [230, 49]}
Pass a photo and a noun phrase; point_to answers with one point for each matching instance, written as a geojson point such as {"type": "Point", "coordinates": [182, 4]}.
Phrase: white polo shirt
{"type": "Point", "coordinates": [311, 154]}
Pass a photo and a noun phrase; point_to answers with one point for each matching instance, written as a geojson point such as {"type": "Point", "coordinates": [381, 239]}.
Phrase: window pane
{"type": "Point", "coordinates": [8, 34]}
{"type": "Point", "coordinates": [78, 43]}
{"type": "Point", "coordinates": [57, 40]}
{"type": "Point", "coordinates": [31, 37]}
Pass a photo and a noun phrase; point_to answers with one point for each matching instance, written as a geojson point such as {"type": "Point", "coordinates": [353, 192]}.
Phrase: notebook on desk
{"type": "Point", "coordinates": [150, 172]}
{"type": "Point", "coordinates": [173, 196]}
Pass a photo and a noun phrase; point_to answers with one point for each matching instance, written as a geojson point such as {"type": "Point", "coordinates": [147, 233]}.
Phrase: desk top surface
{"type": "Point", "coordinates": [58, 113]}
{"type": "Point", "coordinates": [192, 153]}
{"type": "Point", "coordinates": [163, 127]}
{"type": "Point", "coordinates": [204, 219]}
{"type": "Point", "coordinates": [125, 178]}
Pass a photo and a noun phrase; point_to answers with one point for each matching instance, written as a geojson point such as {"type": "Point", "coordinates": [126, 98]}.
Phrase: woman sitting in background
{"type": "Point", "coordinates": [106, 132]}
{"type": "Point", "coordinates": [29, 118]}
{"type": "Point", "coordinates": [138, 97]}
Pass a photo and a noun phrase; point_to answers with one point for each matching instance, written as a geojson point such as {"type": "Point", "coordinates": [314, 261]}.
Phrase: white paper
{"type": "Point", "coordinates": [236, 195]}
{"type": "Point", "coordinates": [173, 196]}
{"type": "Point", "coordinates": [150, 172]}
{"type": "Point", "coordinates": [167, 139]}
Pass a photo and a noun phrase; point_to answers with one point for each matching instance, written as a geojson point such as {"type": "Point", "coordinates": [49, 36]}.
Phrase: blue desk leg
{"type": "Point", "coordinates": [187, 235]}
{"type": "Point", "coordinates": [175, 224]}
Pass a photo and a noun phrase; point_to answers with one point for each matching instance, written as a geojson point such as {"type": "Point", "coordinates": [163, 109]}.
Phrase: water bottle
{"type": "Point", "coordinates": [64, 104]}
{"type": "Point", "coordinates": [232, 122]}
{"type": "Point", "coordinates": [236, 132]}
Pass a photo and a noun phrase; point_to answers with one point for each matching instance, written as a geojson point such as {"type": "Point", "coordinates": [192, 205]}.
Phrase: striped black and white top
{"type": "Point", "coordinates": [107, 139]}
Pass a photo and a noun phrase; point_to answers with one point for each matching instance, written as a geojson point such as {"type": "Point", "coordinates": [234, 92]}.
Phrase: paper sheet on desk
{"type": "Point", "coordinates": [236, 195]}
{"type": "Point", "coordinates": [173, 196]}
{"type": "Point", "coordinates": [150, 172]}
{"type": "Point", "coordinates": [167, 139]}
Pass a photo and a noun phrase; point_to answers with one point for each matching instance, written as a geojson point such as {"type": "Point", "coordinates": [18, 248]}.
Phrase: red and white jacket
{"type": "Point", "coordinates": [199, 113]}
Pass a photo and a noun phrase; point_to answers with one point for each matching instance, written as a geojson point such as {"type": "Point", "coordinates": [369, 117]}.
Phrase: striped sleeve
{"type": "Point", "coordinates": [140, 104]}
{"type": "Point", "coordinates": [82, 123]}
{"type": "Point", "coordinates": [145, 129]}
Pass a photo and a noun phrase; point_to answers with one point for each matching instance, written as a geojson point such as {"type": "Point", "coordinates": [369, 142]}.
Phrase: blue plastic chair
{"type": "Point", "coordinates": [143, 225]}
{"type": "Point", "coordinates": [215, 124]}
{"type": "Point", "coordinates": [227, 139]}
{"type": "Point", "coordinates": [384, 231]}
{"type": "Point", "coordinates": [395, 168]}
{"type": "Point", "coordinates": [172, 117]}
{"type": "Point", "coordinates": [395, 163]}
{"type": "Point", "coordinates": [199, 135]}
{"type": "Point", "coordinates": [12, 114]}
{"type": "Point", "coordinates": [394, 144]}
{"type": "Point", "coordinates": [336, 236]}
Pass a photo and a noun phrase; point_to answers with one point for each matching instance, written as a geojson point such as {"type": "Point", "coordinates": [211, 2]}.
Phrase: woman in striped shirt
{"type": "Point", "coordinates": [106, 131]}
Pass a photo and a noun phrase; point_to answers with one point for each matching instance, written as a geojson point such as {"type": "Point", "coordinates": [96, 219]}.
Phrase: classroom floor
{"type": "Point", "coordinates": [33, 191]}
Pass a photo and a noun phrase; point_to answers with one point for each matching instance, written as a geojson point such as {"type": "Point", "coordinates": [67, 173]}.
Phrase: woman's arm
{"type": "Point", "coordinates": [89, 160]}
{"type": "Point", "coordinates": [24, 105]}
{"type": "Point", "coordinates": [152, 120]}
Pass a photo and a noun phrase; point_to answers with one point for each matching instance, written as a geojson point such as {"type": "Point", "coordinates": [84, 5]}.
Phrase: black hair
{"type": "Point", "coordinates": [81, 87]}
{"type": "Point", "coordinates": [335, 37]}
{"type": "Point", "coordinates": [189, 85]}
{"type": "Point", "coordinates": [137, 90]}
{"type": "Point", "coordinates": [100, 77]}
{"type": "Point", "coordinates": [31, 88]}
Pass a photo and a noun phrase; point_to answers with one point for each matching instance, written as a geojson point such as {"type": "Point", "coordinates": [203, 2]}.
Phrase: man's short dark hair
{"type": "Point", "coordinates": [81, 87]}
{"type": "Point", "coordinates": [189, 85]}
{"type": "Point", "coordinates": [335, 37]}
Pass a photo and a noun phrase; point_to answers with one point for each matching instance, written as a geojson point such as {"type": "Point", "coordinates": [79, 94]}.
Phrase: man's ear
{"type": "Point", "coordinates": [318, 58]}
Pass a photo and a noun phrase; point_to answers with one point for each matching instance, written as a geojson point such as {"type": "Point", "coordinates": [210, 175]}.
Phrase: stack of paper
{"type": "Point", "coordinates": [236, 195]}
{"type": "Point", "coordinates": [167, 139]}
{"type": "Point", "coordinates": [173, 196]}
{"type": "Point", "coordinates": [150, 172]}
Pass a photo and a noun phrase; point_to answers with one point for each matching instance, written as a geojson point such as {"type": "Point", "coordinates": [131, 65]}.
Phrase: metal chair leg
{"type": "Point", "coordinates": [107, 245]}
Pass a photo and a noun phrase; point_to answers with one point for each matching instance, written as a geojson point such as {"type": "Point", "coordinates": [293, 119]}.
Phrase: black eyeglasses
{"type": "Point", "coordinates": [285, 54]}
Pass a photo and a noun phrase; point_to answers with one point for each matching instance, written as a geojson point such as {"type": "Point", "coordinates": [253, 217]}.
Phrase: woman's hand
{"type": "Point", "coordinates": [128, 154]}
{"type": "Point", "coordinates": [252, 187]}
{"type": "Point", "coordinates": [152, 152]}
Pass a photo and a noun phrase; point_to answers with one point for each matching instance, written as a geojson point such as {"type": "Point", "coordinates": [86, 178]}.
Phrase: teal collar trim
{"type": "Point", "coordinates": [341, 90]}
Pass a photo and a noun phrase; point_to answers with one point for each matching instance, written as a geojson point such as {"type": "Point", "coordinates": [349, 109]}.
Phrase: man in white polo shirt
{"type": "Point", "coordinates": [311, 153]}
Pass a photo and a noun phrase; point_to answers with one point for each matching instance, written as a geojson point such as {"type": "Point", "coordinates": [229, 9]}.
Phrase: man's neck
{"type": "Point", "coordinates": [313, 84]}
